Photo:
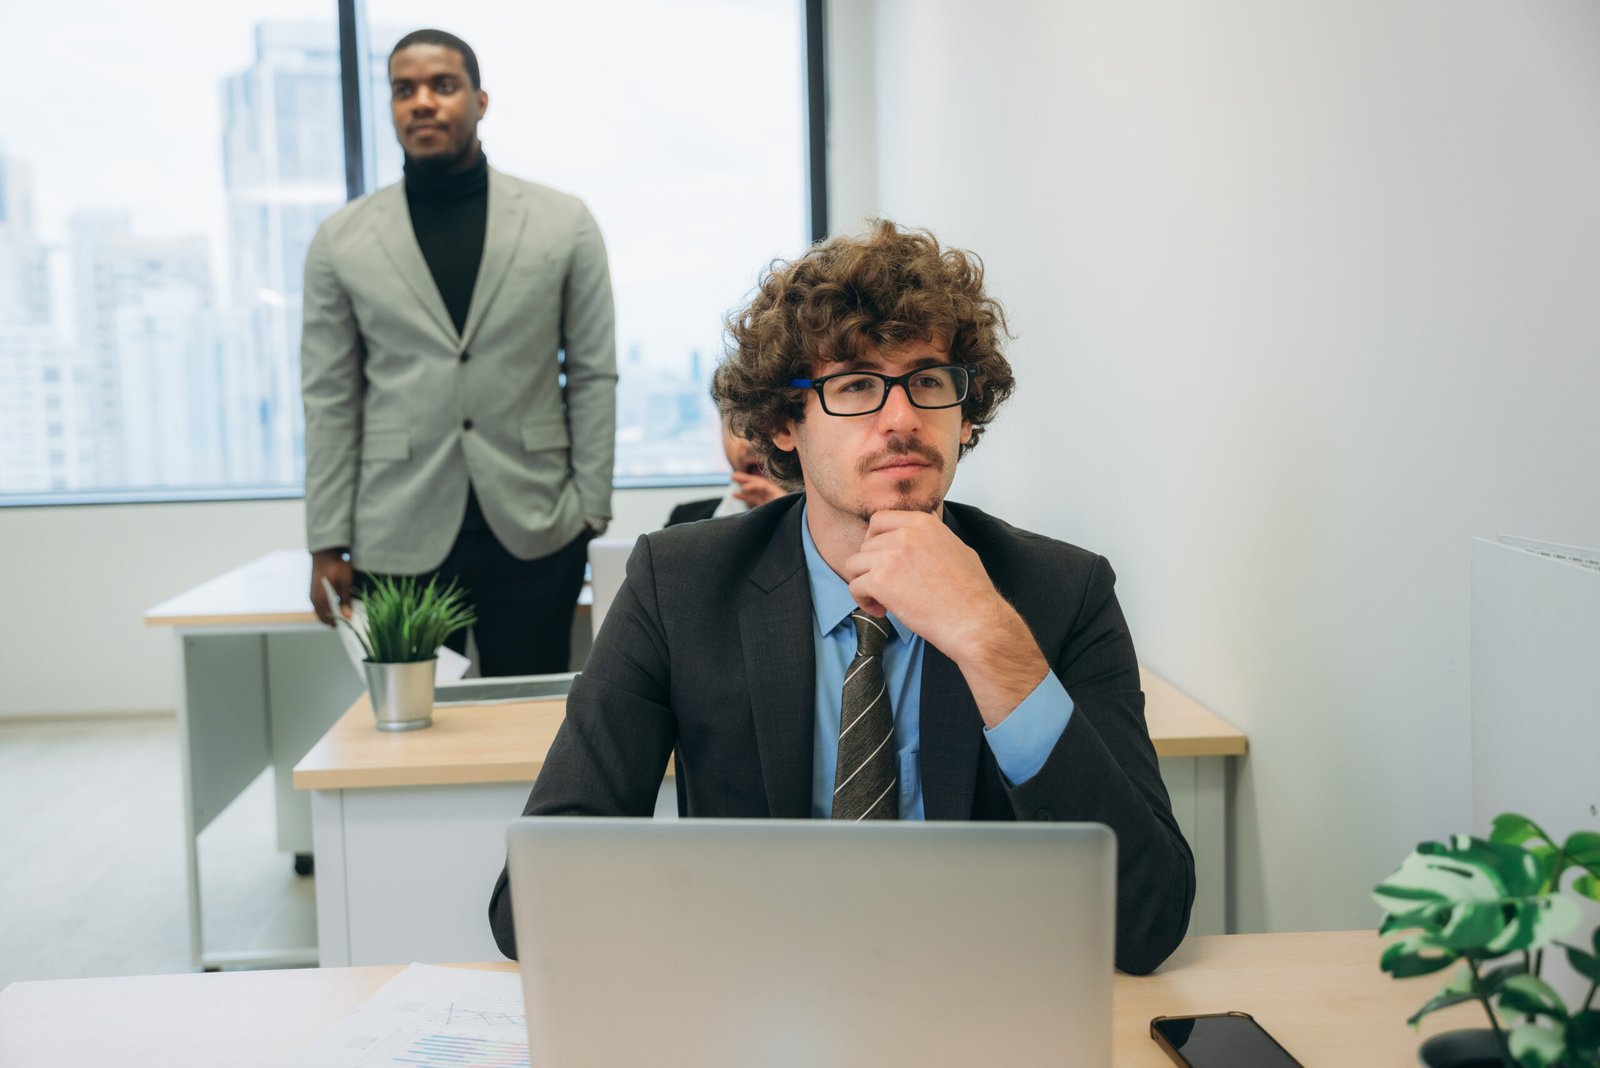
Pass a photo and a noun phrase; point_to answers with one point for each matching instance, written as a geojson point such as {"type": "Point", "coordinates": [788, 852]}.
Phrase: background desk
{"type": "Point", "coordinates": [410, 827]}
{"type": "Point", "coordinates": [260, 680]}
{"type": "Point", "coordinates": [1320, 994]}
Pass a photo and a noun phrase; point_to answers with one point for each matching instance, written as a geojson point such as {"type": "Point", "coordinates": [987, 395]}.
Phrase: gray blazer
{"type": "Point", "coordinates": [706, 656]}
{"type": "Point", "coordinates": [390, 386]}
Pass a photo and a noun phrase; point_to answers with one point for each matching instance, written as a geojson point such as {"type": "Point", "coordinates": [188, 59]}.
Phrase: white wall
{"type": "Point", "coordinates": [76, 582]}
{"type": "Point", "coordinates": [1306, 296]}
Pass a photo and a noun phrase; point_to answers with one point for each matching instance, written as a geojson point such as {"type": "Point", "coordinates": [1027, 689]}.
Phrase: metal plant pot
{"type": "Point", "coordinates": [1471, 1048]}
{"type": "Point", "coordinates": [402, 694]}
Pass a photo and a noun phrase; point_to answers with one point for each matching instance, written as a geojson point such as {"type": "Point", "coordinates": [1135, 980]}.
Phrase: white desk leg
{"type": "Point", "coordinates": [191, 844]}
{"type": "Point", "coordinates": [224, 743]}
{"type": "Point", "coordinates": [310, 683]}
{"type": "Point", "coordinates": [1199, 802]}
{"type": "Point", "coordinates": [333, 903]}
{"type": "Point", "coordinates": [222, 739]}
{"type": "Point", "coordinates": [1211, 830]}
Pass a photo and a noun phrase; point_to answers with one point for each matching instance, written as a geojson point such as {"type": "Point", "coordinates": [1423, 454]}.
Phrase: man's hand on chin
{"type": "Point", "coordinates": [911, 564]}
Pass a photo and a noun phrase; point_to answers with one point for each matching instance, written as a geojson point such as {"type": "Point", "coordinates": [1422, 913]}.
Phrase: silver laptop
{"type": "Point", "coordinates": [778, 943]}
{"type": "Point", "coordinates": [608, 567]}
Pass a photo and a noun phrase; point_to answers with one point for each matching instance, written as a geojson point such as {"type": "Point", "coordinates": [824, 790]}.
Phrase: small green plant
{"type": "Point", "coordinates": [1496, 906]}
{"type": "Point", "coordinates": [407, 623]}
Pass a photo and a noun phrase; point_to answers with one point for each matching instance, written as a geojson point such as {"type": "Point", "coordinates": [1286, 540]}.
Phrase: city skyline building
{"type": "Point", "coordinates": [43, 405]}
{"type": "Point", "coordinates": [24, 275]}
{"type": "Point", "coordinates": [283, 174]}
{"type": "Point", "coordinates": [120, 278]}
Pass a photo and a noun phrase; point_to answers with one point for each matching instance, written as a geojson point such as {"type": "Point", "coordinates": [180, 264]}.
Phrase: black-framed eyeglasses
{"type": "Point", "coordinates": [943, 385]}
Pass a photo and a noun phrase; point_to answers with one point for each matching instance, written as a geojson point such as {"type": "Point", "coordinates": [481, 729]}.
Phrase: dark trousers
{"type": "Point", "coordinates": [524, 607]}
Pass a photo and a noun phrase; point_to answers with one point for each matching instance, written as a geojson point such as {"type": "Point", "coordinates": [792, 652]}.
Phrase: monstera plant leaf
{"type": "Point", "coordinates": [1471, 900]}
{"type": "Point", "coordinates": [1581, 849]}
{"type": "Point", "coordinates": [1509, 828]}
{"type": "Point", "coordinates": [1583, 1034]}
{"type": "Point", "coordinates": [1532, 996]}
{"type": "Point", "coordinates": [1536, 1046]}
{"type": "Point", "coordinates": [1587, 885]}
{"type": "Point", "coordinates": [1469, 897]}
{"type": "Point", "coordinates": [1463, 988]}
{"type": "Point", "coordinates": [1585, 964]}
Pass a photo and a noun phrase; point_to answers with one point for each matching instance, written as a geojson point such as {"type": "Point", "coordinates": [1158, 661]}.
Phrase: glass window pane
{"type": "Point", "coordinates": [153, 226]}
{"type": "Point", "coordinates": [681, 125]}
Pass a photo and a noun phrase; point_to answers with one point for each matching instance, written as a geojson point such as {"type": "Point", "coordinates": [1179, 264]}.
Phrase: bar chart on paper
{"type": "Point", "coordinates": [449, 1049]}
{"type": "Point", "coordinates": [431, 1017]}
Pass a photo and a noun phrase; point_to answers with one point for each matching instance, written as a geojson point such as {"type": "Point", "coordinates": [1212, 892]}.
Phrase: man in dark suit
{"type": "Point", "coordinates": [866, 649]}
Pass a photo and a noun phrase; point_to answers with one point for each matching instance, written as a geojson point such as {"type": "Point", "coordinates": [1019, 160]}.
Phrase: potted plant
{"type": "Point", "coordinates": [401, 632]}
{"type": "Point", "coordinates": [1496, 908]}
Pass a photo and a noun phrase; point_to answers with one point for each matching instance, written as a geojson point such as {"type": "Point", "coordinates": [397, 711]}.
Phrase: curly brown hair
{"type": "Point", "coordinates": [888, 289]}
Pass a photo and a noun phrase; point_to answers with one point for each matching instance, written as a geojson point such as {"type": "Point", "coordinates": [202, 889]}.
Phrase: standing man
{"type": "Point", "coordinates": [866, 649]}
{"type": "Point", "coordinates": [440, 316]}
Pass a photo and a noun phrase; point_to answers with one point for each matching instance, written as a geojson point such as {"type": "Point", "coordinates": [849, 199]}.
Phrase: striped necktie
{"type": "Point", "coordinates": [865, 776]}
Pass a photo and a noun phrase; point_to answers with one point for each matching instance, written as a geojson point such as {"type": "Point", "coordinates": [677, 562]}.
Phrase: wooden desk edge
{"type": "Point", "coordinates": [326, 778]}
{"type": "Point", "coordinates": [155, 619]}
{"type": "Point", "coordinates": [1220, 745]}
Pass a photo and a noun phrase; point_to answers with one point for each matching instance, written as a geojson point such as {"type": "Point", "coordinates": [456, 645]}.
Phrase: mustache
{"type": "Point", "coordinates": [903, 447]}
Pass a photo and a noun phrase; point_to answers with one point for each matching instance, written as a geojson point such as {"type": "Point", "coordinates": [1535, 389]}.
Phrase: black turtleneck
{"type": "Point", "coordinates": [450, 213]}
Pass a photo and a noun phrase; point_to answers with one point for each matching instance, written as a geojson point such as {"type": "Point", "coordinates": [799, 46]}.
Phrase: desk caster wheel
{"type": "Point", "coordinates": [304, 864]}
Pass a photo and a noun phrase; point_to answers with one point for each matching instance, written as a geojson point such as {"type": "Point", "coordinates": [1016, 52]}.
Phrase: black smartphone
{"type": "Point", "coordinates": [1219, 1040]}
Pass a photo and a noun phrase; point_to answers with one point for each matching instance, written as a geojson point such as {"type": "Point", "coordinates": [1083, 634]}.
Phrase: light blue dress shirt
{"type": "Point", "coordinates": [1020, 744]}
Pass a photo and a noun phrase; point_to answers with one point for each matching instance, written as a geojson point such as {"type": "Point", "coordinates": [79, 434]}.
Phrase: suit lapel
{"type": "Point", "coordinates": [507, 215]}
{"type": "Point", "coordinates": [951, 733]}
{"type": "Point", "coordinates": [399, 241]}
{"type": "Point", "coordinates": [780, 666]}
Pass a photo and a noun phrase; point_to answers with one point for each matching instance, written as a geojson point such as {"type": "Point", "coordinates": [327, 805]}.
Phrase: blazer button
{"type": "Point", "coordinates": [465, 356]}
{"type": "Point", "coordinates": [466, 424]}
{"type": "Point", "coordinates": [1044, 815]}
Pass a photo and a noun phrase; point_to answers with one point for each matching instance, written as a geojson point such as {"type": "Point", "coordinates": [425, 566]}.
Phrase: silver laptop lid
{"type": "Point", "coordinates": [608, 567]}
{"type": "Point", "coordinates": [782, 943]}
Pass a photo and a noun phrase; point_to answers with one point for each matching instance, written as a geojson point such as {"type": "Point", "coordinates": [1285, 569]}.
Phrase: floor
{"type": "Point", "coordinates": [91, 832]}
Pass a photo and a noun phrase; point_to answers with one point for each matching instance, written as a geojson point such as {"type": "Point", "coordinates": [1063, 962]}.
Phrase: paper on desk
{"type": "Point", "coordinates": [430, 1016]}
{"type": "Point", "coordinates": [451, 665]}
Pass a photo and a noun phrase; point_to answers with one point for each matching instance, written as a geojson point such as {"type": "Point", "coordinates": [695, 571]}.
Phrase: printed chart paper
{"type": "Point", "coordinates": [427, 1017]}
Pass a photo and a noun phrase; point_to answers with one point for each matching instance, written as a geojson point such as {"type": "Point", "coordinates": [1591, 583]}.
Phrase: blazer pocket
{"type": "Point", "coordinates": [380, 445]}
{"type": "Point", "coordinates": [549, 432]}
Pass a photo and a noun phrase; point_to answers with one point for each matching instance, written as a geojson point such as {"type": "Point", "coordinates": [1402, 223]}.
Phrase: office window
{"type": "Point", "coordinates": [154, 217]}
{"type": "Point", "coordinates": [141, 211]}
{"type": "Point", "coordinates": [682, 127]}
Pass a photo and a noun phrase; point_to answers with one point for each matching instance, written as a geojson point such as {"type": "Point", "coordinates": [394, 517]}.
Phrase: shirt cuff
{"type": "Point", "coordinates": [1024, 739]}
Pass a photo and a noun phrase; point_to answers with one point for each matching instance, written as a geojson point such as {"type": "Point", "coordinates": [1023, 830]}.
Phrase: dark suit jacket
{"type": "Point", "coordinates": [706, 653]}
{"type": "Point", "coordinates": [693, 510]}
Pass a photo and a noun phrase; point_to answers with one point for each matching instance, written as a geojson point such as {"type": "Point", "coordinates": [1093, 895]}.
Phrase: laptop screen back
{"type": "Point", "coordinates": [776, 943]}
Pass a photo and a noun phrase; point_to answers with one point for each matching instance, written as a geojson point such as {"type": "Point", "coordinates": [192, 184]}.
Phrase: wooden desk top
{"type": "Point", "coordinates": [508, 742]}
{"type": "Point", "coordinates": [275, 588]}
{"type": "Point", "coordinates": [1320, 994]}
{"type": "Point", "coordinates": [1183, 727]}
{"type": "Point", "coordinates": [466, 744]}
